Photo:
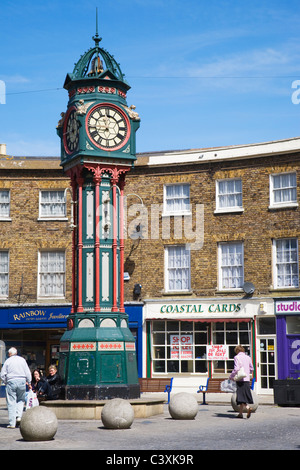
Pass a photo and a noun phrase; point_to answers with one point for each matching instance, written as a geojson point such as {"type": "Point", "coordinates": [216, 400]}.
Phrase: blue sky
{"type": "Point", "coordinates": [203, 73]}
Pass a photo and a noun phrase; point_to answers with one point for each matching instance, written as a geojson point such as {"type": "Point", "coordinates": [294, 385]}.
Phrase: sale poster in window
{"type": "Point", "coordinates": [217, 352]}
{"type": "Point", "coordinates": [181, 346]}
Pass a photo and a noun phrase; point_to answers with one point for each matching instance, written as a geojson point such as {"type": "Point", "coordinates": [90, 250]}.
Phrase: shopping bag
{"type": "Point", "coordinates": [228, 386]}
{"type": "Point", "coordinates": [31, 400]}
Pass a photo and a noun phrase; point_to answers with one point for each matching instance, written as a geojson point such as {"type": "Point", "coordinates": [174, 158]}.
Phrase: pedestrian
{"type": "Point", "coordinates": [55, 382]}
{"type": "Point", "coordinates": [15, 374]}
{"type": "Point", "coordinates": [243, 391]}
{"type": "Point", "coordinates": [40, 386]}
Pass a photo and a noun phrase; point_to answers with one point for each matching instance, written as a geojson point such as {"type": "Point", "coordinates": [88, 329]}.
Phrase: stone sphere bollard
{"type": "Point", "coordinates": [183, 406]}
{"type": "Point", "coordinates": [117, 414]}
{"type": "Point", "coordinates": [38, 424]}
{"type": "Point", "coordinates": [253, 405]}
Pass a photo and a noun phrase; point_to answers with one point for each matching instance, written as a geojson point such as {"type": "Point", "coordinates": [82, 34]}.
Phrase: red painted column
{"type": "Point", "coordinates": [80, 244]}
{"type": "Point", "coordinates": [122, 185]}
{"type": "Point", "coordinates": [114, 181]}
{"type": "Point", "coordinates": [97, 181]}
{"type": "Point", "coordinates": [74, 197]}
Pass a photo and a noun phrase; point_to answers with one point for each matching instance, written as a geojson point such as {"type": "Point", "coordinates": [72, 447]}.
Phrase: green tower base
{"type": "Point", "coordinates": [99, 362]}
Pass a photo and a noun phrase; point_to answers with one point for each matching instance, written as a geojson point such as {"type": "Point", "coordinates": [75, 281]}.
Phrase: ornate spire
{"type": "Point", "coordinates": [96, 61]}
{"type": "Point", "coordinates": [97, 38]}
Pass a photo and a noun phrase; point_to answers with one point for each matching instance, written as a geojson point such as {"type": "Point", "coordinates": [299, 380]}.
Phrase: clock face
{"type": "Point", "coordinates": [107, 126]}
{"type": "Point", "coordinates": [71, 131]}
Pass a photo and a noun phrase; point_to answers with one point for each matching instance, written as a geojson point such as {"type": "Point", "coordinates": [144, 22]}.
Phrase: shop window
{"type": "Point", "coordinates": [181, 347]}
{"type": "Point", "coordinates": [36, 346]}
{"type": "Point", "coordinates": [231, 334]}
{"type": "Point", "coordinates": [266, 326]}
{"type": "Point", "coordinates": [293, 325]}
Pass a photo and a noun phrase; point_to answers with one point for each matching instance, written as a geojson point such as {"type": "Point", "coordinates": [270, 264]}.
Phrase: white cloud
{"type": "Point", "coordinates": [15, 79]}
{"type": "Point", "coordinates": [33, 148]}
{"type": "Point", "coordinates": [256, 63]}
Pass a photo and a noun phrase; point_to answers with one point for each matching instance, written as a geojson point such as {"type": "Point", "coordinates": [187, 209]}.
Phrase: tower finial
{"type": "Point", "coordinates": [96, 38]}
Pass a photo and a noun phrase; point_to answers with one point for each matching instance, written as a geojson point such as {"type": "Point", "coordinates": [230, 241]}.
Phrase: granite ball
{"type": "Point", "coordinates": [38, 424]}
{"type": "Point", "coordinates": [117, 414]}
{"type": "Point", "coordinates": [253, 405]}
{"type": "Point", "coordinates": [183, 406]}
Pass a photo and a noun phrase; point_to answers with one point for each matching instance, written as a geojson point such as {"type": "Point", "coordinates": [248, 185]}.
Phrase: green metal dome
{"type": "Point", "coordinates": [95, 62]}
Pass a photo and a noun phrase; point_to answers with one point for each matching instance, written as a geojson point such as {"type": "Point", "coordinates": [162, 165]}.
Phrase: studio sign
{"type": "Point", "coordinates": [190, 308]}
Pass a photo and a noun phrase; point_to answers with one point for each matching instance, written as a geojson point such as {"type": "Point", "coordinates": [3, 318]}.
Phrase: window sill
{"type": "Point", "coordinates": [51, 298]}
{"type": "Point", "coordinates": [229, 291]}
{"type": "Point", "coordinates": [56, 219]}
{"type": "Point", "coordinates": [284, 289]}
{"type": "Point", "coordinates": [229, 210]}
{"type": "Point", "coordinates": [5, 219]}
{"type": "Point", "coordinates": [291, 205]}
{"type": "Point", "coordinates": [177, 292]}
{"type": "Point", "coordinates": [176, 214]}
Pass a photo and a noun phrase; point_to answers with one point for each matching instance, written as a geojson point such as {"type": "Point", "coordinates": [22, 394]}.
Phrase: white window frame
{"type": "Point", "coordinates": [5, 296]}
{"type": "Point", "coordinates": [54, 216]}
{"type": "Point", "coordinates": [275, 264]}
{"type": "Point", "coordinates": [167, 268]}
{"type": "Point", "coordinates": [222, 267]}
{"type": "Point", "coordinates": [235, 208]}
{"type": "Point", "coordinates": [279, 205]}
{"type": "Point", "coordinates": [167, 212]}
{"type": "Point", "coordinates": [40, 295]}
{"type": "Point", "coordinates": [6, 217]}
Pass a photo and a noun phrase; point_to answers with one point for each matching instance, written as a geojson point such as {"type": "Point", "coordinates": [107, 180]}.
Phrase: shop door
{"type": "Point", "coordinates": [266, 365]}
{"type": "Point", "coordinates": [294, 357]}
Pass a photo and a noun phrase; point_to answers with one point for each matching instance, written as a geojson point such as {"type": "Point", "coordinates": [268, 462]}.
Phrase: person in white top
{"type": "Point", "coordinates": [15, 373]}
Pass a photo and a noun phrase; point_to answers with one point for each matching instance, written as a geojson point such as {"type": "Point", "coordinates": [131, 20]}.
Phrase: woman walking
{"type": "Point", "coordinates": [243, 392]}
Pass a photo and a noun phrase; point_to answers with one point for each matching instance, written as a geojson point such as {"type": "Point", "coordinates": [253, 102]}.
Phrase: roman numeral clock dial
{"type": "Point", "coordinates": [107, 127]}
{"type": "Point", "coordinates": [71, 131]}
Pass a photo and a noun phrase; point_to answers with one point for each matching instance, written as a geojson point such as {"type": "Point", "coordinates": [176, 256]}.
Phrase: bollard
{"type": "Point", "coordinates": [183, 406]}
{"type": "Point", "coordinates": [38, 424]}
{"type": "Point", "coordinates": [117, 414]}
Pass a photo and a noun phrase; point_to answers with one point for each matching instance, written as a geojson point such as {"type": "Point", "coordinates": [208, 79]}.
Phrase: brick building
{"type": "Point", "coordinates": [213, 243]}
{"type": "Point", "coordinates": [35, 256]}
{"type": "Point", "coordinates": [211, 258]}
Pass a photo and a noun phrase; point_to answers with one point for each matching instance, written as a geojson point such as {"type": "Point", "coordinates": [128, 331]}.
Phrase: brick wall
{"type": "Point", "coordinates": [25, 235]}
{"type": "Point", "coordinates": [256, 226]}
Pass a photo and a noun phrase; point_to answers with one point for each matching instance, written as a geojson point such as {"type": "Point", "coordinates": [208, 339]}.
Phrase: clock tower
{"type": "Point", "coordinates": [97, 132]}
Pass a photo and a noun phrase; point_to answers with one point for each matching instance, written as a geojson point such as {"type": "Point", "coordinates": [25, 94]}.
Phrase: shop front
{"type": "Point", "coordinates": [36, 331]}
{"type": "Point", "coordinates": [287, 313]}
{"type": "Point", "coordinates": [195, 339]}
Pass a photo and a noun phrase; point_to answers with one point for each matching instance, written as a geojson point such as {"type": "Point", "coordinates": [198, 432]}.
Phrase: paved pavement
{"type": "Point", "coordinates": [152, 439]}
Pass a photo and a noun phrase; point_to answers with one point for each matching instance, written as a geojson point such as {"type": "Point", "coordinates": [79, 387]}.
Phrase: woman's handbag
{"type": "Point", "coordinates": [240, 374]}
